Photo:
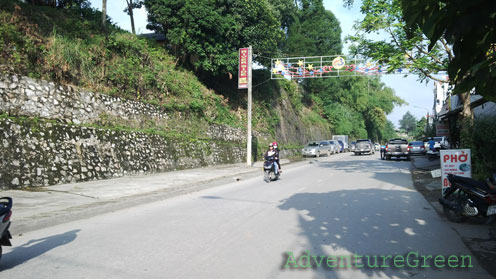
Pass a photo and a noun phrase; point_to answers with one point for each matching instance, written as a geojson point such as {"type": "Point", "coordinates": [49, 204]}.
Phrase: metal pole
{"type": "Point", "coordinates": [248, 138]}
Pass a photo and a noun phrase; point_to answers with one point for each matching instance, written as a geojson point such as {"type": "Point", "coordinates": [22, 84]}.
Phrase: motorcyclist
{"type": "Point", "coordinates": [272, 152]}
{"type": "Point", "coordinates": [431, 144]}
{"type": "Point", "coordinates": [383, 152]}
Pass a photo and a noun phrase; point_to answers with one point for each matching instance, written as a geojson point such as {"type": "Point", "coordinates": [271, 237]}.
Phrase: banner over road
{"type": "Point", "coordinates": [327, 66]}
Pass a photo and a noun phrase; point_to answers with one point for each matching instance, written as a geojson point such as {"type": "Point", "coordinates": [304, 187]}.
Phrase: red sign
{"type": "Point", "coordinates": [243, 68]}
{"type": "Point", "coordinates": [442, 130]}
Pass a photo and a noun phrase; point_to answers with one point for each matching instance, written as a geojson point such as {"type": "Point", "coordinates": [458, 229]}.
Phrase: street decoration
{"type": "Point", "coordinates": [327, 66]}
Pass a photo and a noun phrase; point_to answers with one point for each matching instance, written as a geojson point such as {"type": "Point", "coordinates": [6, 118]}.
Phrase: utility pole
{"type": "Point", "coordinates": [248, 138]}
{"type": "Point", "coordinates": [244, 82]}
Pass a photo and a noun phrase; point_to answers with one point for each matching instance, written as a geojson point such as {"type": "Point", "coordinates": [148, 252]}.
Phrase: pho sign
{"type": "Point", "coordinates": [243, 68]}
{"type": "Point", "coordinates": [454, 161]}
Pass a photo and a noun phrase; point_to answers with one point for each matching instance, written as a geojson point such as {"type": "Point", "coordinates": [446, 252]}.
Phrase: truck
{"type": "Point", "coordinates": [344, 139]}
{"type": "Point", "coordinates": [364, 146]}
{"type": "Point", "coordinates": [397, 148]}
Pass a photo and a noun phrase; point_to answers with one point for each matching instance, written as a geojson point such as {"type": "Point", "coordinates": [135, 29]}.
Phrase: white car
{"type": "Point", "coordinates": [439, 143]}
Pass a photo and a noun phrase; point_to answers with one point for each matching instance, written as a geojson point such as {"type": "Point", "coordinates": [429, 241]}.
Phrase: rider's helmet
{"type": "Point", "coordinates": [274, 144]}
{"type": "Point", "coordinates": [271, 144]}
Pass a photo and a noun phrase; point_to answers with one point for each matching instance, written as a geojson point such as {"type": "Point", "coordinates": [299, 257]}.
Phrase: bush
{"type": "Point", "coordinates": [480, 137]}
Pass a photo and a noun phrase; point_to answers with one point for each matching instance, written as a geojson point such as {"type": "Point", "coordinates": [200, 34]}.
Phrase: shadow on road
{"type": "Point", "coordinates": [34, 248]}
{"type": "Point", "coordinates": [363, 165]}
{"type": "Point", "coordinates": [384, 171]}
{"type": "Point", "coordinates": [365, 222]}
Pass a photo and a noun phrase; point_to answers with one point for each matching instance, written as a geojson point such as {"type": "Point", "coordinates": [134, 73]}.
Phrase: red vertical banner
{"type": "Point", "coordinates": [243, 68]}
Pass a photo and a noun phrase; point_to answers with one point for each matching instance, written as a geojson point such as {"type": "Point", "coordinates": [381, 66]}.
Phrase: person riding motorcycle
{"type": "Point", "coordinates": [277, 151]}
{"type": "Point", "coordinates": [273, 152]}
{"type": "Point", "coordinates": [383, 152]}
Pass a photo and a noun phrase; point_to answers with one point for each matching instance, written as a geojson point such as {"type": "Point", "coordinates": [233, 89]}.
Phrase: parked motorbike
{"type": "Point", "coordinates": [467, 198]}
{"type": "Point", "coordinates": [269, 169]}
{"type": "Point", "coordinates": [5, 213]}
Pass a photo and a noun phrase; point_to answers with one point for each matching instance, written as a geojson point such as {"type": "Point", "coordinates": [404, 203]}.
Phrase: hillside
{"type": "Point", "coordinates": [69, 46]}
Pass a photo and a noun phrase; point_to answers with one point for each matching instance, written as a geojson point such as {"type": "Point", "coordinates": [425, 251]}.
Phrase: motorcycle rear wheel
{"type": "Point", "coordinates": [452, 215]}
{"type": "Point", "coordinates": [266, 176]}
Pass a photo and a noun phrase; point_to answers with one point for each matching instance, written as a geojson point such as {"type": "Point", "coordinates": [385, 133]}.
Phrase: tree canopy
{"type": "Point", "coordinates": [315, 31]}
{"type": "Point", "coordinates": [469, 27]}
{"type": "Point", "coordinates": [207, 34]}
{"type": "Point", "coordinates": [404, 48]}
{"type": "Point", "coordinates": [408, 122]}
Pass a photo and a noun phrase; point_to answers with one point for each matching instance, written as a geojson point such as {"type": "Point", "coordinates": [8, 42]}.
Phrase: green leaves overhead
{"type": "Point", "coordinates": [208, 33]}
{"type": "Point", "coordinates": [469, 27]}
{"type": "Point", "coordinates": [405, 46]}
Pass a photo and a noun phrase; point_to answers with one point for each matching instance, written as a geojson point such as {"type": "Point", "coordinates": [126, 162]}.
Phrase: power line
{"type": "Point", "coordinates": [261, 82]}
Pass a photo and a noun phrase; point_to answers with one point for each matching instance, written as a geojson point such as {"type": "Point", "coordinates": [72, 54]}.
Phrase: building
{"type": "Point", "coordinates": [447, 119]}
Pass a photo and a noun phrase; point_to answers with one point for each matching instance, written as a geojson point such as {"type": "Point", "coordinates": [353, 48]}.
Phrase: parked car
{"type": "Point", "coordinates": [416, 148]}
{"type": "Point", "coordinates": [352, 146]}
{"type": "Point", "coordinates": [334, 146]}
{"type": "Point", "coordinates": [317, 148]}
{"type": "Point", "coordinates": [397, 148]}
{"type": "Point", "coordinates": [377, 146]}
{"type": "Point", "coordinates": [364, 146]}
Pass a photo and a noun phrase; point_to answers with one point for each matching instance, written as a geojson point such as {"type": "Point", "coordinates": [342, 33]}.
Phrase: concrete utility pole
{"type": "Point", "coordinates": [248, 138]}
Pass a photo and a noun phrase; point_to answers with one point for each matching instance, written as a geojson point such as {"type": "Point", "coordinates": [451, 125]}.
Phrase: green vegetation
{"type": "Point", "coordinates": [69, 45]}
{"type": "Point", "coordinates": [468, 27]}
{"type": "Point", "coordinates": [480, 137]}
{"type": "Point", "coordinates": [207, 34]}
{"type": "Point", "coordinates": [408, 122]}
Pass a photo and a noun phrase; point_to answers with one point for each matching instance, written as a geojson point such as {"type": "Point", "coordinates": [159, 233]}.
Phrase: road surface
{"type": "Point", "coordinates": [330, 209]}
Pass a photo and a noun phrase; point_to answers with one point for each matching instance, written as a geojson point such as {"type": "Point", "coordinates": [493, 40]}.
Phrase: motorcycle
{"type": "Point", "coordinates": [269, 169]}
{"type": "Point", "coordinates": [474, 200]}
{"type": "Point", "coordinates": [5, 213]}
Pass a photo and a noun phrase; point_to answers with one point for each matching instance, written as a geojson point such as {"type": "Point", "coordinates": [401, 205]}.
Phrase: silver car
{"type": "Point", "coordinates": [316, 149]}
{"type": "Point", "coordinates": [334, 146]}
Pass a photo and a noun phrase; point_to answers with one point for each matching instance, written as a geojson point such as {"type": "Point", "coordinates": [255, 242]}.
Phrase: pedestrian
{"type": "Point", "coordinates": [383, 152]}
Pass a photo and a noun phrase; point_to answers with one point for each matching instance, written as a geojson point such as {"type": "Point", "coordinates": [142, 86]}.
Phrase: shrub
{"type": "Point", "coordinates": [480, 137]}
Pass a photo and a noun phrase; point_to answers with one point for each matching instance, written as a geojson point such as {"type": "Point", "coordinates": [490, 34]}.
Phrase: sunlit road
{"type": "Point", "coordinates": [337, 206]}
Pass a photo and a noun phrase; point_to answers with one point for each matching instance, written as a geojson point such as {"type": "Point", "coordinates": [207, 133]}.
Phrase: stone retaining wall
{"type": "Point", "coordinates": [23, 96]}
{"type": "Point", "coordinates": [41, 154]}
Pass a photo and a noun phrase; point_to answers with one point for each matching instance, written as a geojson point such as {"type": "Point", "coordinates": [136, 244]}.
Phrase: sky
{"type": "Point", "coordinates": [419, 96]}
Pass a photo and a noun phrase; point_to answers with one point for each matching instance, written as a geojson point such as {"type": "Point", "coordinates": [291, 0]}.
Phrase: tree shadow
{"type": "Point", "coordinates": [383, 170]}
{"type": "Point", "coordinates": [371, 222]}
{"type": "Point", "coordinates": [35, 248]}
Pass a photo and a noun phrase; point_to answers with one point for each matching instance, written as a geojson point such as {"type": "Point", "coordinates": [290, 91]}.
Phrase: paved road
{"type": "Point", "coordinates": [338, 206]}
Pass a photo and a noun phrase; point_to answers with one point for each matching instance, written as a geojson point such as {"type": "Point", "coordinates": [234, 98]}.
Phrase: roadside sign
{"type": "Point", "coordinates": [243, 68]}
{"type": "Point", "coordinates": [442, 130]}
{"type": "Point", "coordinates": [454, 161]}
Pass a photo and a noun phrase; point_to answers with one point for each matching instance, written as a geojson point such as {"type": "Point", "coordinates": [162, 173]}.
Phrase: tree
{"type": "Point", "coordinates": [408, 122]}
{"type": "Point", "coordinates": [387, 132]}
{"type": "Point", "coordinates": [207, 34]}
{"type": "Point", "coordinates": [421, 129]}
{"type": "Point", "coordinates": [468, 27]}
{"type": "Point", "coordinates": [129, 10]}
{"type": "Point", "coordinates": [407, 46]}
{"type": "Point", "coordinates": [314, 32]}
